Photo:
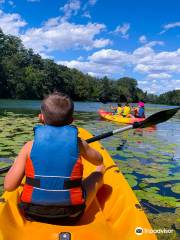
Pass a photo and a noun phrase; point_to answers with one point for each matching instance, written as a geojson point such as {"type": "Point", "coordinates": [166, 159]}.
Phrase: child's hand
{"type": "Point", "coordinates": [101, 168]}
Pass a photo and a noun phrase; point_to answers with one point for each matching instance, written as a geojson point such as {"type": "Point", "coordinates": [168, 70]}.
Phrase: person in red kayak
{"type": "Point", "coordinates": [117, 110]}
{"type": "Point", "coordinates": [139, 112]}
{"type": "Point", "coordinates": [52, 164]}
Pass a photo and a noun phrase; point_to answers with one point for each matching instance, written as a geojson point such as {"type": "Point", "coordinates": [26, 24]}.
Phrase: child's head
{"type": "Point", "coordinates": [140, 104]}
{"type": "Point", "coordinates": [57, 109]}
{"type": "Point", "coordinates": [119, 105]}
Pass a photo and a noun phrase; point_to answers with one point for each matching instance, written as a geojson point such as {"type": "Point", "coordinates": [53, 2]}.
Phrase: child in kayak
{"type": "Point", "coordinates": [52, 164]}
{"type": "Point", "coordinates": [126, 111]}
{"type": "Point", "coordinates": [139, 112]}
{"type": "Point", "coordinates": [118, 110]}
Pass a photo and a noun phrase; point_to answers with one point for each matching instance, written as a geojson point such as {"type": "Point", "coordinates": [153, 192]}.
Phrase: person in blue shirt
{"type": "Point", "coordinates": [140, 111]}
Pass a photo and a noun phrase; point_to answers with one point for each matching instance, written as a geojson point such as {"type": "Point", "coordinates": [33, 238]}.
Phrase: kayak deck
{"type": "Point", "coordinates": [114, 213]}
{"type": "Point", "coordinates": [115, 118]}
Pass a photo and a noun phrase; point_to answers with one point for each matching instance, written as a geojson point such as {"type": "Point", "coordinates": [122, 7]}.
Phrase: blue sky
{"type": "Point", "coordinates": [139, 39]}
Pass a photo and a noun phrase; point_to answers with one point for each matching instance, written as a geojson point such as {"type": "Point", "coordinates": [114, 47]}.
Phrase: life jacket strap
{"type": "Point", "coordinates": [34, 182]}
{"type": "Point", "coordinates": [68, 184]}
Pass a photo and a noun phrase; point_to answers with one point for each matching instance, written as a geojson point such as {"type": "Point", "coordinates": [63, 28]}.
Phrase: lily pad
{"type": "Point", "coordinates": [176, 188]}
{"type": "Point", "coordinates": [157, 199]}
{"type": "Point", "coordinates": [131, 179]}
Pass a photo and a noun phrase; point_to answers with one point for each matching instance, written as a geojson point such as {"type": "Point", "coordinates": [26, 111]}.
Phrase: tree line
{"type": "Point", "coordinates": [26, 75]}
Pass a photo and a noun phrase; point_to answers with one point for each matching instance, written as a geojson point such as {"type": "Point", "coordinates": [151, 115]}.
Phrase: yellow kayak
{"type": "Point", "coordinates": [115, 118]}
{"type": "Point", "coordinates": [115, 213]}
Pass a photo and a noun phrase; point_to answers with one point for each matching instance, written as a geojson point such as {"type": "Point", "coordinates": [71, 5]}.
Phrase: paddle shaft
{"type": "Point", "coordinates": [108, 134]}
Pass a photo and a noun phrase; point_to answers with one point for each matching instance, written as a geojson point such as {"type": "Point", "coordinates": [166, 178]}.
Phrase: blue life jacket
{"type": "Point", "coordinates": [141, 112]}
{"type": "Point", "coordinates": [55, 175]}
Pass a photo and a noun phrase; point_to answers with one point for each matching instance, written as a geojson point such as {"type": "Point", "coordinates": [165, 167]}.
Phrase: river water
{"type": "Point", "coordinates": [148, 158]}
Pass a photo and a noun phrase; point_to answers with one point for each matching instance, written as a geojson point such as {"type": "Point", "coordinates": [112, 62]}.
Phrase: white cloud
{"type": "Point", "coordinates": [110, 57]}
{"type": "Point", "coordinates": [100, 43]}
{"type": "Point", "coordinates": [92, 2]}
{"type": "Point", "coordinates": [86, 14]}
{"type": "Point", "coordinates": [123, 30]}
{"type": "Point", "coordinates": [85, 8]}
{"type": "Point", "coordinates": [159, 76]}
{"type": "Point", "coordinates": [159, 86]}
{"type": "Point", "coordinates": [71, 8]}
{"type": "Point", "coordinates": [143, 82]}
{"type": "Point", "coordinates": [92, 68]}
{"type": "Point", "coordinates": [158, 68]}
{"type": "Point", "coordinates": [56, 35]}
{"type": "Point", "coordinates": [142, 39]}
{"type": "Point", "coordinates": [11, 3]}
{"type": "Point", "coordinates": [151, 62]}
{"type": "Point", "coordinates": [33, 0]}
{"type": "Point", "coordinates": [11, 23]}
{"type": "Point", "coordinates": [154, 43]}
{"type": "Point", "coordinates": [170, 26]}
{"type": "Point", "coordinates": [143, 60]}
{"type": "Point", "coordinates": [44, 55]}
{"type": "Point", "coordinates": [52, 22]}
{"type": "Point", "coordinates": [141, 68]}
{"type": "Point", "coordinates": [80, 58]}
{"type": "Point", "coordinates": [103, 62]}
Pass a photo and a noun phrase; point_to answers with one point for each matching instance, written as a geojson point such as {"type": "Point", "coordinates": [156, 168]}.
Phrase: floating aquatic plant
{"type": "Point", "coordinates": [157, 199]}
{"type": "Point", "coordinates": [131, 180]}
{"type": "Point", "coordinates": [176, 188]}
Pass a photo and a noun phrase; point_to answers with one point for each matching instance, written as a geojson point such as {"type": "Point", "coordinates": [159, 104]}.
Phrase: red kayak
{"type": "Point", "coordinates": [117, 118]}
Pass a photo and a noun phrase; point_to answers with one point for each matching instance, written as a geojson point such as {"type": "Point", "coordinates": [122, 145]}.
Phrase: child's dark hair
{"type": "Point", "coordinates": [119, 104]}
{"type": "Point", "coordinates": [57, 109]}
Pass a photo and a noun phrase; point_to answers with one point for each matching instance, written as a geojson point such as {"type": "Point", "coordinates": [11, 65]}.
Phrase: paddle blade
{"type": "Point", "coordinates": [4, 169]}
{"type": "Point", "coordinates": [156, 118]}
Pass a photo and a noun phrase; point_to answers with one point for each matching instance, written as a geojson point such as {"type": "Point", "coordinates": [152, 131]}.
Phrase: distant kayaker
{"type": "Point", "coordinates": [117, 110]}
{"type": "Point", "coordinates": [126, 111]}
{"type": "Point", "coordinates": [139, 112]}
{"type": "Point", "coordinates": [52, 164]}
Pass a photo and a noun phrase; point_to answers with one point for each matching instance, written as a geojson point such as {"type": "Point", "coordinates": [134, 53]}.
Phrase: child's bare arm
{"type": "Point", "coordinates": [16, 173]}
{"type": "Point", "coordinates": [89, 153]}
{"type": "Point", "coordinates": [113, 108]}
